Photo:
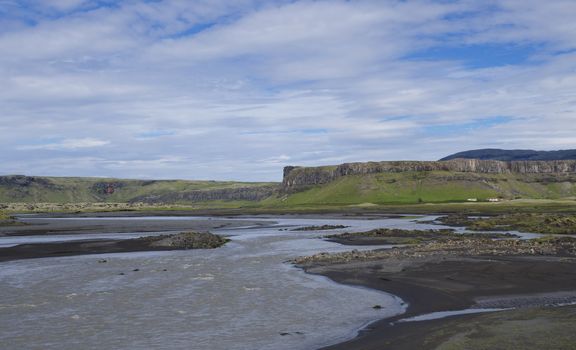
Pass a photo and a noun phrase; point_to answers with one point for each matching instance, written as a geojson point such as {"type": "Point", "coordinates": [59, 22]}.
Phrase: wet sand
{"type": "Point", "coordinates": [439, 284]}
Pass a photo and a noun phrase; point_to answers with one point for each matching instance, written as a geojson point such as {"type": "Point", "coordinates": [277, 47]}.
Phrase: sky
{"type": "Point", "coordinates": [235, 90]}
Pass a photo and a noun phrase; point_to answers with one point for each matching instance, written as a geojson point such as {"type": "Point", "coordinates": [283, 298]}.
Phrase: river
{"type": "Point", "coordinates": [244, 295]}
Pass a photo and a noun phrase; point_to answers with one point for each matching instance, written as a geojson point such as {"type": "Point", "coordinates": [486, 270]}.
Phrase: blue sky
{"type": "Point", "coordinates": [238, 89]}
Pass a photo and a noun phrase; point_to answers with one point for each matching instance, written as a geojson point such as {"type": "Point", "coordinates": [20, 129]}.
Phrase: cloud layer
{"type": "Point", "coordinates": [236, 90]}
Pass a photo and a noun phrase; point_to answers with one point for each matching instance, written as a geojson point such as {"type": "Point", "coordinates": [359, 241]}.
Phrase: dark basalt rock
{"type": "Point", "coordinates": [24, 181]}
{"type": "Point", "coordinates": [254, 193]}
{"type": "Point", "coordinates": [186, 240]}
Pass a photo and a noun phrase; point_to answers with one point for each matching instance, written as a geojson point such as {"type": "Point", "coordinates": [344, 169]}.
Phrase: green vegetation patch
{"type": "Point", "coordinates": [7, 220]}
{"type": "Point", "coordinates": [400, 236]}
{"type": "Point", "coordinates": [546, 223]}
{"type": "Point", "coordinates": [4, 216]}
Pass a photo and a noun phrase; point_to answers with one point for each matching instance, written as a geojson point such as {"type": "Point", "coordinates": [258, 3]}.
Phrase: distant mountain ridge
{"type": "Point", "coordinates": [511, 155]}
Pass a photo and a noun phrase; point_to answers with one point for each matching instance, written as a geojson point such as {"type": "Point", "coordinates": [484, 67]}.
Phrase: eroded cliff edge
{"type": "Point", "coordinates": [298, 178]}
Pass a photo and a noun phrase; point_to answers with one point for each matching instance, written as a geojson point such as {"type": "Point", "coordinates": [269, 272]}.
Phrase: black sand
{"type": "Point", "coordinates": [449, 285]}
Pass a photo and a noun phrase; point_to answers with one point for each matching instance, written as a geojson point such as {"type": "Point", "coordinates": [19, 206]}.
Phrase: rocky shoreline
{"type": "Point", "coordinates": [451, 248]}
{"type": "Point", "coordinates": [454, 273]}
{"type": "Point", "coordinates": [545, 223]}
{"type": "Point", "coordinates": [400, 236]}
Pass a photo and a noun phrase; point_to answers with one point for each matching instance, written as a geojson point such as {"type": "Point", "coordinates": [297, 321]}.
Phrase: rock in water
{"type": "Point", "coordinates": [188, 240]}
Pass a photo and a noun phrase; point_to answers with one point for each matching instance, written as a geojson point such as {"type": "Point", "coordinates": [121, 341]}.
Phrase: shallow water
{"type": "Point", "coordinates": [241, 296]}
{"type": "Point", "coordinates": [11, 241]}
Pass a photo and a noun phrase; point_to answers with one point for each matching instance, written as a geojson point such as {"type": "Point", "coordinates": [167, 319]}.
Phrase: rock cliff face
{"type": "Point", "coordinates": [23, 181]}
{"type": "Point", "coordinates": [297, 178]}
{"type": "Point", "coordinates": [225, 194]}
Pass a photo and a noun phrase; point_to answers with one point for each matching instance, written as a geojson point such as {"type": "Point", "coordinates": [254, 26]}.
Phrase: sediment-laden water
{"type": "Point", "coordinates": [241, 296]}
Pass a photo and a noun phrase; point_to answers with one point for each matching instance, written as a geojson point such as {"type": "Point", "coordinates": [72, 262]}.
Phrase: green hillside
{"type": "Point", "coordinates": [428, 187]}
{"type": "Point", "coordinates": [388, 188]}
{"type": "Point", "coordinates": [25, 189]}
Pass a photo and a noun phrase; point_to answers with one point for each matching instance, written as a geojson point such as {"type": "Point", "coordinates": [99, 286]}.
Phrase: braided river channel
{"type": "Point", "coordinates": [244, 295]}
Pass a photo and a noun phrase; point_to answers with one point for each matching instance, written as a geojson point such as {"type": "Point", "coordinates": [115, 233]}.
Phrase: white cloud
{"type": "Point", "coordinates": [62, 4]}
{"type": "Point", "coordinates": [245, 87]}
{"type": "Point", "coordinates": [68, 144]}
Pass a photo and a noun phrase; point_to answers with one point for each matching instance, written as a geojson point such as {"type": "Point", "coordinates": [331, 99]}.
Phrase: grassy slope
{"type": "Point", "coordinates": [425, 187]}
{"type": "Point", "coordinates": [74, 190]}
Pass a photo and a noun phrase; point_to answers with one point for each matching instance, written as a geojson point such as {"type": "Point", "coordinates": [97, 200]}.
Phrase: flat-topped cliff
{"type": "Point", "coordinates": [296, 178]}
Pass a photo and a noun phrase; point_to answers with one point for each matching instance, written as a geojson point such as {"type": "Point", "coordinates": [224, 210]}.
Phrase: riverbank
{"type": "Point", "coordinates": [179, 241]}
{"type": "Point", "coordinates": [392, 236]}
{"type": "Point", "coordinates": [431, 283]}
{"type": "Point", "coordinates": [250, 297]}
